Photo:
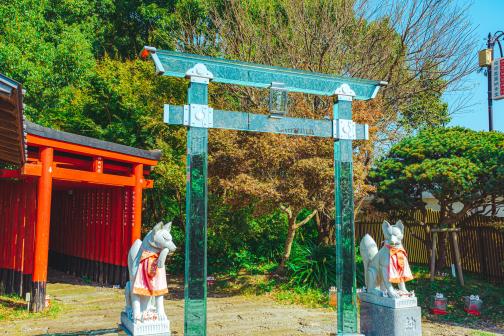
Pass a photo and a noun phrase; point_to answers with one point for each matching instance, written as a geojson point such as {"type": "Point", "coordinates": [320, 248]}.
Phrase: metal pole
{"type": "Point", "coordinates": [489, 77]}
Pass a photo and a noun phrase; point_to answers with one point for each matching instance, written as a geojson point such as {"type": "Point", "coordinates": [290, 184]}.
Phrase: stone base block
{"type": "Point", "coordinates": [376, 320]}
{"type": "Point", "coordinates": [402, 302]}
{"type": "Point", "coordinates": [153, 328]}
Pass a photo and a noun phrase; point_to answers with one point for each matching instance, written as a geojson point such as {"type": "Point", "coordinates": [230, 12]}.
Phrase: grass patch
{"type": "Point", "coordinates": [255, 285]}
{"type": "Point", "coordinates": [13, 307]}
{"type": "Point", "coordinates": [308, 297]}
{"type": "Point", "coordinates": [243, 284]}
{"type": "Point", "coordinates": [481, 333]}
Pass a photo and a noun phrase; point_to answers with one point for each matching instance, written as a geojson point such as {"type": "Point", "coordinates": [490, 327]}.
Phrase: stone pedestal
{"type": "Point", "coordinates": [378, 317]}
{"type": "Point", "coordinates": [402, 302]}
{"type": "Point", "coordinates": [152, 328]}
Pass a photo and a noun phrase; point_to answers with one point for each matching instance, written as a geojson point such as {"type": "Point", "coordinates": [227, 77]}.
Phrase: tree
{"type": "Point", "coordinates": [173, 24]}
{"type": "Point", "coordinates": [269, 173]}
{"type": "Point", "coordinates": [78, 62]}
{"type": "Point", "coordinates": [50, 54]}
{"type": "Point", "coordinates": [339, 37]}
{"type": "Point", "coordinates": [458, 166]}
{"type": "Point", "coordinates": [312, 37]}
{"type": "Point", "coordinates": [426, 108]}
{"type": "Point", "coordinates": [124, 102]}
{"type": "Point", "coordinates": [435, 42]}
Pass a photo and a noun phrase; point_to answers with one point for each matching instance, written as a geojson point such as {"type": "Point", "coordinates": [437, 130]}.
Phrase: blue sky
{"type": "Point", "coordinates": [487, 16]}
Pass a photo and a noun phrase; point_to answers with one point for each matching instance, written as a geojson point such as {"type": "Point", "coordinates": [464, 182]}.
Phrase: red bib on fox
{"type": "Point", "coordinates": [399, 269]}
{"type": "Point", "coordinates": [150, 280]}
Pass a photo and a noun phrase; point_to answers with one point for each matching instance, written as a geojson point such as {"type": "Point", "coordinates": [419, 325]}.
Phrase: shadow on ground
{"type": "Point", "coordinates": [175, 285]}
{"type": "Point", "coordinates": [12, 304]}
{"type": "Point", "coordinates": [87, 332]}
{"type": "Point", "coordinates": [57, 276]}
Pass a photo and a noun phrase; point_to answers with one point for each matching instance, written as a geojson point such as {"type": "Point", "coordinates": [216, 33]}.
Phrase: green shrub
{"type": "Point", "coordinates": [175, 263]}
{"type": "Point", "coordinates": [359, 268]}
{"type": "Point", "coordinates": [312, 265]}
{"type": "Point", "coordinates": [252, 264]}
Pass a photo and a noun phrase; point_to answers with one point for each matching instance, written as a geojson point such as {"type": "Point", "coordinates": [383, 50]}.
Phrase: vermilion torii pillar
{"type": "Point", "coordinates": [137, 202]}
{"type": "Point", "coordinates": [42, 231]}
{"type": "Point", "coordinates": [199, 117]}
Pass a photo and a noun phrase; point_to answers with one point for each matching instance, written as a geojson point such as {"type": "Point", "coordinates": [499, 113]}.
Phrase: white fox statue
{"type": "Point", "coordinates": [147, 276]}
{"type": "Point", "coordinates": [388, 265]}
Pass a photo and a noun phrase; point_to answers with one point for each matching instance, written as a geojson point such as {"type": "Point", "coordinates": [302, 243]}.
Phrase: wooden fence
{"type": "Point", "coordinates": [481, 244]}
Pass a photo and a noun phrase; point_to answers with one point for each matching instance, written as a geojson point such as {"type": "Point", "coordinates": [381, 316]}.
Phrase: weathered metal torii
{"type": "Point", "coordinates": [199, 117]}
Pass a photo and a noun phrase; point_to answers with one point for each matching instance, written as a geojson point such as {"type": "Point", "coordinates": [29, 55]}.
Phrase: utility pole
{"type": "Point", "coordinates": [486, 59]}
{"type": "Point", "coordinates": [490, 45]}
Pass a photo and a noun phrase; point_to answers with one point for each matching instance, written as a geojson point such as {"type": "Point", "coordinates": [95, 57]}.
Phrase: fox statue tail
{"type": "Point", "coordinates": [132, 258]}
{"type": "Point", "coordinates": [368, 250]}
{"type": "Point", "coordinates": [132, 269]}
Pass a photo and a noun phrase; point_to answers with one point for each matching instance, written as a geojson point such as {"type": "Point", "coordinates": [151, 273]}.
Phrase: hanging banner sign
{"type": "Point", "coordinates": [498, 79]}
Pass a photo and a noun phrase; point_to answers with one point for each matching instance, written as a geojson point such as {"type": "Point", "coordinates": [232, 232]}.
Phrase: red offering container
{"type": "Point", "coordinates": [333, 296]}
{"type": "Point", "coordinates": [439, 304]}
{"type": "Point", "coordinates": [472, 305]}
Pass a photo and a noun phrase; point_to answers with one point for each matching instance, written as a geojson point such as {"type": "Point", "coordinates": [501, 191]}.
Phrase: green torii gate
{"type": "Point", "coordinates": [199, 117]}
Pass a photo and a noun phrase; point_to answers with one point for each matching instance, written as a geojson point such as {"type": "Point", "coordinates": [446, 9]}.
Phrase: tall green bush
{"type": "Point", "coordinates": [312, 266]}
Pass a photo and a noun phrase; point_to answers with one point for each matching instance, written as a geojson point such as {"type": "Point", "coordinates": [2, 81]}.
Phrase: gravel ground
{"type": "Point", "coordinates": [95, 310]}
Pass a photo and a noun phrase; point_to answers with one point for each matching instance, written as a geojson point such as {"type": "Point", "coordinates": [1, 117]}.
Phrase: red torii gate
{"type": "Point", "coordinates": [76, 204]}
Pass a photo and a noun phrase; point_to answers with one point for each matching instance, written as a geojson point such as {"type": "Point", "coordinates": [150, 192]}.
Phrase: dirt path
{"type": "Point", "coordinates": [96, 309]}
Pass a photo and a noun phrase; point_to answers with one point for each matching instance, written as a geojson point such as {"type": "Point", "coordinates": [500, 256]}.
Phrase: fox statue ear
{"type": "Point", "coordinates": [386, 228]}
{"type": "Point", "coordinates": [158, 227]}
{"type": "Point", "coordinates": [167, 227]}
{"type": "Point", "coordinates": [399, 224]}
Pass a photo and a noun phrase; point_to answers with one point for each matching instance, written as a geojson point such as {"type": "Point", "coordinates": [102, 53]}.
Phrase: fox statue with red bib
{"type": "Point", "coordinates": [144, 313]}
{"type": "Point", "coordinates": [387, 266]}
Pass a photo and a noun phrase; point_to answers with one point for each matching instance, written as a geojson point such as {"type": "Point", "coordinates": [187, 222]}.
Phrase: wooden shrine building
{"type": "Point", "coordinates": [67, 201]}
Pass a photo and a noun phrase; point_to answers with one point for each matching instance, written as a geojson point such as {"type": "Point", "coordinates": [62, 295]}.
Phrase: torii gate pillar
{"type": "Point", "coordinates": [195, 320]}
{"type": "Point", "coordinates": [344, 219]}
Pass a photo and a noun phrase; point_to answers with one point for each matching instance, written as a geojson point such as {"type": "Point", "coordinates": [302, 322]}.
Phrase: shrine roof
{"type": "Point", "coordinates": [49, 133]}
{"type": "Point", "coordinates": [12, 147]}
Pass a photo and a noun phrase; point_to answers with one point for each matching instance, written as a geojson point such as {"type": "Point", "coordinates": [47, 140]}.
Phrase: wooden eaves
{"type": "Point", "coordinates": [12, 146]}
